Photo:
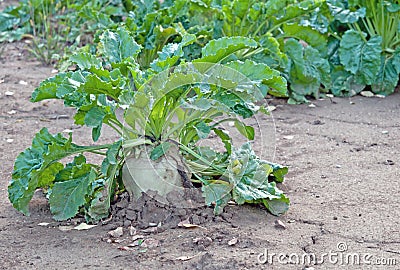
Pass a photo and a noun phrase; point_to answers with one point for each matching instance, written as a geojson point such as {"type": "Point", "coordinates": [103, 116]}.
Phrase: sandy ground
{"type": "Point", "coordinates": [343, 183]}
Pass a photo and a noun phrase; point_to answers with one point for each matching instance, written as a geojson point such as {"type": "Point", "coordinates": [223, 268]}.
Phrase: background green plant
{"type": "Point", "coordinates": [315, 44]}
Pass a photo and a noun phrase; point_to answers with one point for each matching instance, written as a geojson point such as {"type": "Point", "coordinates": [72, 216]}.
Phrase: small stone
{"type": "Point", "coordinates": [385, 132]}
{"type": "Point", "coordinates": [338, 166]}
{"type": "Point", "coordinates": [388, 162]}
{"type": "Point", "coordinates": [367, 94]}
{"type": "Point", "coordinates": [181, 212]}
{"type": "Point", "coordinates": [233, 242]}
{"type": "Point", "coordinates": [312, 105]}
{"type": "Point", "coordinates": [279, 224]}
{"type": "Point", "coordinates": [9, 93]}
{"type": "Point", "coordinates": [118, 232]}
{"type": "Point", "coordinates": [289, 137]}
{"type": "Point", "coordinates": [195, 219]}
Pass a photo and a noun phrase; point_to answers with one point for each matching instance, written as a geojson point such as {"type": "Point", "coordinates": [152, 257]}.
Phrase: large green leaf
{"type": "Point", "coordinates": [361, 58]}
{"type": "Point", "coordinates": [217, 50]}
{"type": "Point", "coordinates": [271, 54]}
{"type": "Point", "coordinates": [217, 193]}
{"type": "Point", "coordinates": [69, 195]}
{"type": "Point", "coordinates": [343, 14]}
{"type": "Point", "coordinates": [307, 70]}
{"type": "Point", "coordinates": [289, 11]}
{"type": "Point", "coordinates": [85, 60]}
{"type": "Point", "coordinates": [38, 166]}
{"type": "Point", "coordinates": [309, 35]}
{"type": "Point", "coordinates": [33, 166]}
{"type": "Point", "coordinates": [118, 45]}
{"type": "Point", "coordinates": [171, 53]}
{"type": "Point", "coordinates": [388, 75]}
{"type": "Point", "coordinates": [269, 81]}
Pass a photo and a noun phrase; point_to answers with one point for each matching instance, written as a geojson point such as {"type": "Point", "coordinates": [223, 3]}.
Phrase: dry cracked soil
{"type": "Point", "coordinates": [343, 155]}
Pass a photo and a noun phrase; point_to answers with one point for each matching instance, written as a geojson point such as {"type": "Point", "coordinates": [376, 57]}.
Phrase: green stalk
{"type": "Point", "coordinates": [135, 142]}
{"type": "Point", "coordinates": [190, 151]}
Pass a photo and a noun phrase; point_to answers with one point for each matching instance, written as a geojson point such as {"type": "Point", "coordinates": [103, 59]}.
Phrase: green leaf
{"type": "Point", "coordinates": [68, 196]}
{"type": "Point", "coordinates": [103, 194]}
{"type": "Point", "coordinates": [34, 167]}
{"type": "Point", "coordinates": [277, 207]}
{"type": "Point", "coordinates": [361, 58]}
{"type": "Point", "coordinates": [388, 75]}
{"type": "Point", "coordinates": [266, 79]}
{"type": "Point", "coordinates": [249, 176]}
{"type": "Point", "coordinates": [247, 131]}
{"type": "Point", "coordinates": [85, 60]}
{"type": "Point", "coordinates": [307, 70]}
{"type": "Point", "coordinates": [217, 193]}
{"type": "Point", "coordinates": [95, 85]}
{"type": "Point", "coordinates": [287, 11]}
{"type": "Point", "coordinates": [278, 172]}
{"type": "Point", "coordinates": [343, 14]}
{"type": "Point", "coordinates": [344, 83]}
{"type": "Point", "coordinates": [118, 45]}
{"type": "Point", "coordinates": [38, 165]}
{"type": "Point", "coordinates": [160, 150]}
{"type": "Point", "coordinates": [203, 130]}
{"type": "Point", "coordinates": [217, 50]}
{"type": "Point", "coordinates": [95, 116]}
{"type": "Point", "coordinates": [310, 36]}
{"type": "Point", "coordinates": [271, 54]}
{"type": "Point", "coordinates": [225, 138]}
{"type": "Point", "coordinates": [171, 53]}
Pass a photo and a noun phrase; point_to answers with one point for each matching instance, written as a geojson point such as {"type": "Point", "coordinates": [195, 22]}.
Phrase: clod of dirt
{"type": "Point", "coordinates": [150, 243]}
{"type": "Point", "coordinates": [150, 214]}
{"type": "Point", "coordinates": [204, 241]}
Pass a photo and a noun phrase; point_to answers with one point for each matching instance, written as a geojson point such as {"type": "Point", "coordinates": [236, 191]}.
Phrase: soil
{"type": "Point", "coordinates": [343, 184]}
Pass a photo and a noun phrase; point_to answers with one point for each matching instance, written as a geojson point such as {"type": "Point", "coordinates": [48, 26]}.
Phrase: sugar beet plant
{"type": "Point", "coordinates": [168, 108]}
{"type": "Point", "coordinates": [365, 49]}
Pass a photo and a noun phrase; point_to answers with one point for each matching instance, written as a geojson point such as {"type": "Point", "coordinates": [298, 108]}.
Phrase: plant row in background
{"type": "Point", "coordinates": [319, 46]}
